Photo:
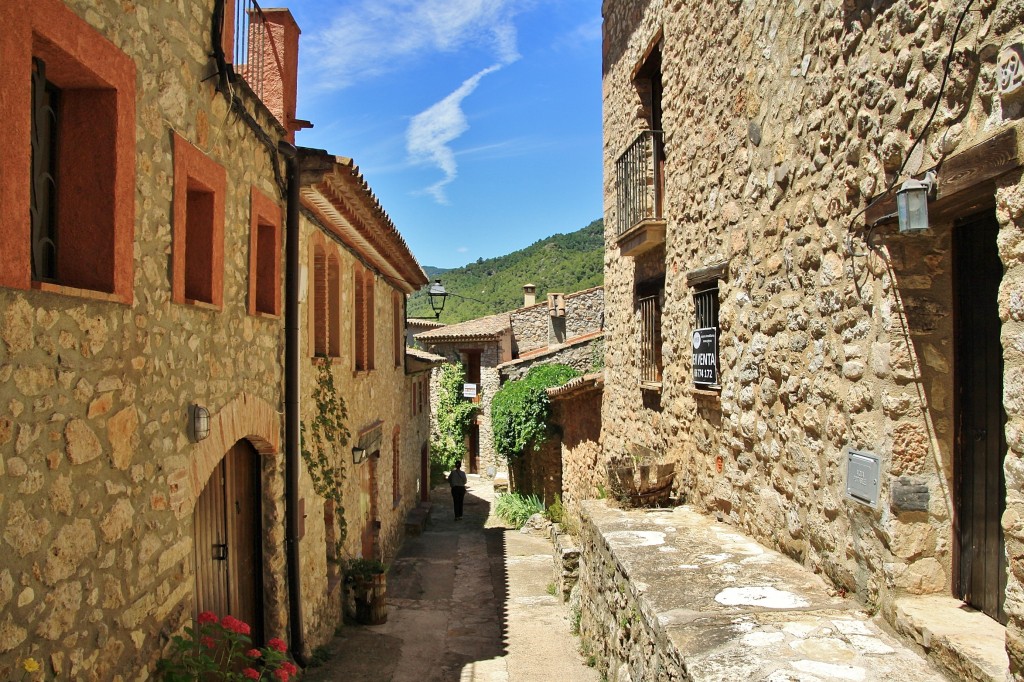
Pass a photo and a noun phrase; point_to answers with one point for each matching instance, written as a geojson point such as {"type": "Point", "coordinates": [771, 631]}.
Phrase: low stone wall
{"type": "Point", "coordinates": [628, 644]}
{"type": "Point", "coordinates": [566, 554]}
{"type": "Point", "coordinates": [671, 594]}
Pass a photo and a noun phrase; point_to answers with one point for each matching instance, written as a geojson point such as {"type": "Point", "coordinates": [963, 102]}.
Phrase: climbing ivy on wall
{"type": "Point", "coordinates": [520, 409]}
{"type": "Point", "coordinates": [322, 441]}
{"type": "Point", "coordinates": [454, 415]}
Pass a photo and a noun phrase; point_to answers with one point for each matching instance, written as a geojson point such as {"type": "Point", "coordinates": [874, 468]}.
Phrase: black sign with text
{"type": "Point", "coordinates": [705, 357]}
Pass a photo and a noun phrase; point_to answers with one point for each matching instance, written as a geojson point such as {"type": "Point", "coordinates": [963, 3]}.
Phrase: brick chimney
{"type": "Point", "coordinates": [280, 53]}
{"type": "Point", "coordinates": [529, 295]}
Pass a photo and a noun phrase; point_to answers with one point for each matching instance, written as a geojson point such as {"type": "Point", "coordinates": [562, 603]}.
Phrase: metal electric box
{"type": "Point", "coordinates": [863, 477]}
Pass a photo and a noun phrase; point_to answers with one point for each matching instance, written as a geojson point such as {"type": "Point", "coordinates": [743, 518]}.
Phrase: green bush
{"type": "Point", "coordinates": [555, 513]}
{"type": "Point", "coordinates": [520, 409]}
{"type": "Point", "coordinates": [516, 509]}
{"type": "Point", "coordinates": [454, 415]}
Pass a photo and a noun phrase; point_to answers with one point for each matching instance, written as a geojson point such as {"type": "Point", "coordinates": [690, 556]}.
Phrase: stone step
{"type": "Point", "coordinates": [965, 643]}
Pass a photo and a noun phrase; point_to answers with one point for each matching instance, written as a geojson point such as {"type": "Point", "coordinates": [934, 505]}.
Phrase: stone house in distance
{"type": "Point", "coordinates": [845, 390]}
{"type": "Point", "coordinates": [496, 348]}
{"type": "Point", "coordinates": [150, 461]}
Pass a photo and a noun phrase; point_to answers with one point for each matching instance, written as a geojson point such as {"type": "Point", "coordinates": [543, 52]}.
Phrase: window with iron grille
{"type": "Point", "coordinates": [706, 365]}
{"type": "Point", "coordinates": [45, 107]}
{"type": "Point", "coordinates": [650, 297]}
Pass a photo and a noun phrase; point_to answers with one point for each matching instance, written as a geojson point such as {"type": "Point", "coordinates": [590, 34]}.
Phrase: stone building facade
{"type": "Point", "coordinates": [142, 337]}
{"type": "Point", "coordinates": [564, 329]}
{"type": "Point", "coordinates": [854, 389]}
{"type": "Point", "coordinates": [358, 271]}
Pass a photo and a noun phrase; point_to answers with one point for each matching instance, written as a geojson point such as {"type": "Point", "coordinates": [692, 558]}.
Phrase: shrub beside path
{"type": "Point", "coordinates": [468, 601]}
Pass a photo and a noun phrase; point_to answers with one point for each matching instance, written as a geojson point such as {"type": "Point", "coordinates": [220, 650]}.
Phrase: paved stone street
{"type": "Point", "coordinates": [467, 601]}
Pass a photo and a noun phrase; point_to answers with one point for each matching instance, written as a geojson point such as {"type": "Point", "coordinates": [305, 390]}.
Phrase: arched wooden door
{"type": "Point", "coordinates": [227, 552]}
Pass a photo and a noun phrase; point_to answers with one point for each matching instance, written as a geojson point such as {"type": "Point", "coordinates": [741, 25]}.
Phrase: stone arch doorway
{"type": "Point", "coordinates": [227, 552]}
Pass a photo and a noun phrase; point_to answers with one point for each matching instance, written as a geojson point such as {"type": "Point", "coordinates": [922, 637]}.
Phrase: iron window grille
{"type": "Point", "coordinates": [705, 303]}
{"type": "Point", "coordinates": [650, 340]}
{"type": "Point", "coordinates": [43, 208]}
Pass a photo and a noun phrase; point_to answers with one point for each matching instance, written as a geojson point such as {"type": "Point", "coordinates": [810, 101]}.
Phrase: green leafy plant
{"type": "Point", "coordinates": [363, 569]}
{"type": "Point", "coordinates": [220, 649]}
{"type": "Point", "coordinates": [555, 513]}
{"type": "Point", "coordinates": [520, 409]}
{"type": "Point", "coordinates": [516, 509]}
{"type": "Point", "coordinates": [454, 415]}
{"type": "Point", "coordinates": [322, 442]}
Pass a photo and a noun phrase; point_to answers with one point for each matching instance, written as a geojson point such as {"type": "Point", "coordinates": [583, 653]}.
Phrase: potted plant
{"type": "Point", "coordinates": [367, 581]}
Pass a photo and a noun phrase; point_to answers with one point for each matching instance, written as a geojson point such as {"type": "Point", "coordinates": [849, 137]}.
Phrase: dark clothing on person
{"type": "Point", "coordinates": [457, 480]}
{"type": "Point", "coordinates": [458, 495]}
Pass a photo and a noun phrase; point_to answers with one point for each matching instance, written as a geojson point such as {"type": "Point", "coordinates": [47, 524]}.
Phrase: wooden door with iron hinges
{"type": "Point", "coordinates": [227, 552]}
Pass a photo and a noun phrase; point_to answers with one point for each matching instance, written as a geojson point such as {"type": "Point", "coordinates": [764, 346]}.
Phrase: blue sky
{"type": "Point", "coordinates": [476, 122]}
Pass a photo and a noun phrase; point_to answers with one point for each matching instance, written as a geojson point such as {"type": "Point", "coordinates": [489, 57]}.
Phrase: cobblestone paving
{"type": "Point", "coordinates": [467, 601]}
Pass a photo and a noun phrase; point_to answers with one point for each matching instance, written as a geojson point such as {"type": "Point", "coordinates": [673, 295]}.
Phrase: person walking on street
{"type": "Point", "coordinates": [457, 480]}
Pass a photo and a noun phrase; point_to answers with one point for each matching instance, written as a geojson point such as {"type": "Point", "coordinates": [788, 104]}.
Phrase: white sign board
{"type": "Point", "coordinates": [468, 390]}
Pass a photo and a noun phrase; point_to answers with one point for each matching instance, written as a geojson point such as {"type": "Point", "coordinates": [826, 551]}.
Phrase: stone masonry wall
{"type": "Point", "coordinates": [582, 356]}
{"type": "Point", "coordinates": [798, 116]}
{"type": "Point", "coordinates": [579, 418]}
{"type": "Point", "coordinates": [96, 470]}
{"type": "Point", "coordinates": [534, 328]}
{"type": "Point", "coordinates": [628, 643]}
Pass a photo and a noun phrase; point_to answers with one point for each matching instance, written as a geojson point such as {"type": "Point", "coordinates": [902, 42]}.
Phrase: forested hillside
{"type": "Point", "coordinates": [563, 263]}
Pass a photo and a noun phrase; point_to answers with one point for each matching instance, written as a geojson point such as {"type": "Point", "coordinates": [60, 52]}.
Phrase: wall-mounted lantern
{"type": "Point", "coordinates": [912, 203]}
{"type": "Point", "coordinates": [199, 422]}
{"type": "Point", "coordinates": [358, 454]}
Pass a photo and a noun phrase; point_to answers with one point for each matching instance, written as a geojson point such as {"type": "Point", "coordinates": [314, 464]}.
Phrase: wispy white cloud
{"type": "Point", "coordinates": [431, 132]}
{"type": "Point", "coordinates": [367, 38]}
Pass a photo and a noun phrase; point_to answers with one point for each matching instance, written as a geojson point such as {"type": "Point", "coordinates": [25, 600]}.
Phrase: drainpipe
{"type": "Point", "coordinates": [291, 403]}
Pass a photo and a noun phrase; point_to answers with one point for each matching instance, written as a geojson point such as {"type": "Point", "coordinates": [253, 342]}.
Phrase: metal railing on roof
{"type": "Point", "coordinates": [638, 181]}
{"type": "Point", "coordinates": [254, 46]}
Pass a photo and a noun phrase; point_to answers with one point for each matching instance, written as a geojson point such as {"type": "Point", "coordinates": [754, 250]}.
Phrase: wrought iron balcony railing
{"type": "Point", "coordinates": [638, 181]}
{"type": "Point", "coordinates": [254, 45]}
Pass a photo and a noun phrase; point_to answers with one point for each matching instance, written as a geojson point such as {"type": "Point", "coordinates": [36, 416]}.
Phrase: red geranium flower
{"type": "Point", "coordinates": [250, 673]}
{"type": "Point", "coordinates": [282, 674]}
{"type": "Point", "coordinates": [277, 644]}
{"type": "Point", "coordinates": [235, 625]}
{"type": "Point", "coordinates": [289, 667]}
{"type": "Point", "coordinates": [208, 642]}
{"type": "Point", "coordinates": [207, 617]}
{"type": "Point", "coordinates": [253, 653]}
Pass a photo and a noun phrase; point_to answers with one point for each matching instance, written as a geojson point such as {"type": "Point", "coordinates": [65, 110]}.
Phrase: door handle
{"type": "Point", "coordinates": [980, 434]}
{"type": "Point", "coordinates": [220, 552]}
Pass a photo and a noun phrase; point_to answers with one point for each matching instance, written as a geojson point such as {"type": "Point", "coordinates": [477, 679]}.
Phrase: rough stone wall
{"type": "Point", "coordinates": [582, 356]}
{"type": "Point", "coordinates": [627, 643]}
{"type": "Point", "coordinates": [534, 328]}
{"type": "Point", "coordinates": [377, 396]}
{"type": "Point", "coordinates": [96, 489]}
{"type": "Point", "coordinates": [798, 115]}
{"type": "Point", "coordinates": [538, 471]}
{"type": "Point", "coordinates": [579, 418]}
{"type": "Point", "coordinates": [1010, 213]}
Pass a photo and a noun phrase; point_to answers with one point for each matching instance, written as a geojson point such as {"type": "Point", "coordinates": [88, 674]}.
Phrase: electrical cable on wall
{"type": "Point", "coordinates": [920, 138]}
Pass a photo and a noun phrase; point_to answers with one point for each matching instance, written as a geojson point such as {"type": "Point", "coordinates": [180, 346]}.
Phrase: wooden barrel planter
{"type": "Point", "coordinates": [371, 599]}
